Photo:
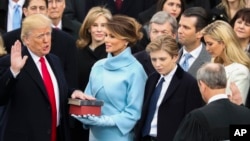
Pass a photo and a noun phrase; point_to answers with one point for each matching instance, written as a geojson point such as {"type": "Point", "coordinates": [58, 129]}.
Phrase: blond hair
{"type": "Point", "coordinates": [2, 49]}
{"type": "Point", "coordinates": [32, 22]}
{"type": "Point", "coordinates": [93, 14]}
{"type": "Point", "coordinates": [164, 42]}
{"type": "Point", "coordinates": [224, 4]}
{"type": "Point", "coordinates": [222, 32]}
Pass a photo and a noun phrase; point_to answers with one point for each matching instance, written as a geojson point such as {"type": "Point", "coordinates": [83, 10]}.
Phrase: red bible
{"type": "Point", "coordinates": [85, 107]}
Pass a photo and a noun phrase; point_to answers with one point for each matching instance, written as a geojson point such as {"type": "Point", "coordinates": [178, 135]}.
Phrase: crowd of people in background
{"type": "Point", "coordinates": [165, 69]}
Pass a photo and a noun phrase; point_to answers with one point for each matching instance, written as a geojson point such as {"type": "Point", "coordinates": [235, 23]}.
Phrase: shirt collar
{"type": "Point", "coordinates": [20, 2]}
{"type": "Point", "coordinates": [217, 97]}
{"type": "Point", "coordinates": [170, 74]}
{"type": "Point", "coordinates": [58, 26]}
{"type": "Point", "coordinates": [33, 56]}
{"type": "Point", "coordinates": [195, 53]}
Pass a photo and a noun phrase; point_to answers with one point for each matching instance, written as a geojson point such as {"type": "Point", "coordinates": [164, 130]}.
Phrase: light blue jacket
{"type": "Point", "coordinates": [119, 81]}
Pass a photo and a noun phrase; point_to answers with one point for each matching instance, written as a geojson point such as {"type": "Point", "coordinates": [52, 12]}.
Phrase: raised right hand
{"type": "Point", "coordinates": [16, 59]}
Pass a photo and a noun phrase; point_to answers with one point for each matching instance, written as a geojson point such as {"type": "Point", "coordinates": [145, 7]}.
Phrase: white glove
{"type": "Point", "coordinates": [95, 120]}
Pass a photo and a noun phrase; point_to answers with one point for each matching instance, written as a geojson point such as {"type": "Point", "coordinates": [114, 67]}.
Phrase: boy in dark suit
{"type": "Point", "coordinates": [163, 111]}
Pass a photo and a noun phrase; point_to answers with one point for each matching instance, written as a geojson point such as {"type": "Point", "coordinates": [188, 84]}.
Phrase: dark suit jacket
{"type": "Point", "coordinates": [129, 7]}
{"type": "Point", "coordinates": [144, 58]}
{"type": "Point", "coordinates": [86, 58]}
{"type": "Point", "coordinates": [206, 4]}
{"type": "Point", "coordinates": [70, 27]}
{"type": "Point", "coordinates": [211, 122]}
{"type": "Point", "coordinates": [4, 5]}
{"type": "Point", "coordinates": [3, 15]}
{"type": "Point", "coordinates": [62, 45]}
{"type": "Point", "coordinates": [29, 112]}
{"type": "Point", "coordinates": [181, 97]}
{"type": "Point", "coordinates": [76, 10]}
{"type": "Point", "coordinates": [145, 16]}
{"type": "Point", "coordinates": [202, 58]}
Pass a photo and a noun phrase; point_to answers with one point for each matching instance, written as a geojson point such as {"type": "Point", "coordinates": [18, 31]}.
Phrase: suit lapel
{"type": "Point", "coordinates": [199, 61]}
{"type": "Point", "coordinates": [149, 91]}
{"type": "Point", "coordinates": [31, 68]}
{"type": "Point", "coordinates": [58, 75]}
{"type": "Point", "coordinates": [174, 84]}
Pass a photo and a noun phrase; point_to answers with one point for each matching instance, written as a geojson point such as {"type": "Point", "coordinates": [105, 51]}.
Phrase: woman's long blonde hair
{"type": "Point", "coordinates": [84, 35]}
{"type": "Point", "coordinates": [222, 32]}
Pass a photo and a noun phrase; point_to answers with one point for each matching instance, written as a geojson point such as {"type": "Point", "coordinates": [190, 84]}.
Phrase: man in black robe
{"type": "Point", "coordinates": [212, 122]}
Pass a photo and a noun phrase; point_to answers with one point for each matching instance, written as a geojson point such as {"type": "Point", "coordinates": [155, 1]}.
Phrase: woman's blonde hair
{"type": "Point", "coordinates": [93, 14]}
{"type": "Point", "coordinates": [2, 49]}
{"type": "Point", "coordinates": [222, 32]}
{"type": "Point", "coordinates": [224, 4]}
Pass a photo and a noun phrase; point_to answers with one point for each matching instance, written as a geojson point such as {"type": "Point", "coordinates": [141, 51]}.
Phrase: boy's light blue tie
{"type": "Point", "coordinates": [16, 17]}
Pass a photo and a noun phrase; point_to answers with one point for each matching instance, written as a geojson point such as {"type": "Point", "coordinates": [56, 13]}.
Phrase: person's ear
{"type": "Point", "coordinates": [202, 85]}
{"type": "Point", "coordinates": [199, 34]}
{"type": "Point", "coordinates": [25, 12]}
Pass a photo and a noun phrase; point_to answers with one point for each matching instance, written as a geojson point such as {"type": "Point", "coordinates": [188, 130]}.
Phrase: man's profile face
{"type": "Point", "coordinates": [187, 34]}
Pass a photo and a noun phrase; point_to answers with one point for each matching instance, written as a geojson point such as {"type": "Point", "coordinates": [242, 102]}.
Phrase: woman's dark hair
{"type": "Point", "coordinates": [244, 14]}
{"type": "Point", "coordinates": [160, 4]}
{"type": "Point", "coordinates": [27, 3]}
{"type": "Point", "coordinates": [125, 27]}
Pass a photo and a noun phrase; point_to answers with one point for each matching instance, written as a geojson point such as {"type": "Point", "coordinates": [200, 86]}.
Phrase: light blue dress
{"type": "Point", "coordinates": [119, 81]}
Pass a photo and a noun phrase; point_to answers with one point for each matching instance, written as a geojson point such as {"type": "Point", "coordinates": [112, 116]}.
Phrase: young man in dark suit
{"type": "Point", "coordinates": [179, 94]}
{"type": "Point", "coordinates": [192, 21]}
{"type": "Point", "coordinates": [212, 122]}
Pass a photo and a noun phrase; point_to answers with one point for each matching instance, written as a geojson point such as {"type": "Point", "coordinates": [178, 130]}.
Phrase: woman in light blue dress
{"type": "Point", "coordinates": [119, 81]}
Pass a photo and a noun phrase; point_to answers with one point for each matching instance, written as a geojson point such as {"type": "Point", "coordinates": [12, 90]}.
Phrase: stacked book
{"type": "Point", "coordinates": [85, 107]}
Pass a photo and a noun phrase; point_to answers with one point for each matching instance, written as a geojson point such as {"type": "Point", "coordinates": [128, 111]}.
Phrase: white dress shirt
{"type": "Point", "coordinates": [11, 13]}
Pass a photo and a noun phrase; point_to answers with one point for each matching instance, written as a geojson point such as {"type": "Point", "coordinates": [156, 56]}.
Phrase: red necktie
{"type": "Point", "coordinates": [50, 90]}
{"type": "Point", "coordinates": [118, 4]}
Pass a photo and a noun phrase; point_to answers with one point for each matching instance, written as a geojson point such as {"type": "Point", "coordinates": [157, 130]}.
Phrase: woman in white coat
{"type": "Point", "coordinates": [223, 45]}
